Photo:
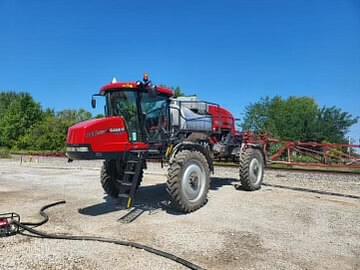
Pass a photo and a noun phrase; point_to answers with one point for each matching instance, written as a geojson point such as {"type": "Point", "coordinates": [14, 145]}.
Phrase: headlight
{"type": "Point", "coordinates": [70, 149]}
{"type": "Point", "coordinates": [82, 149]}
{"type": "Point", "coordinates": [77, 149]}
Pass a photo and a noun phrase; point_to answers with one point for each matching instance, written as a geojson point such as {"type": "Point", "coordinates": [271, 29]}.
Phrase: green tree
{"type": "Point", "coordinates": [178, 92]}
{"type": "Point", "coordinates": [49, 134]}
{"type": "Point", "coordinates": [74, 116]}
{"type": "Point", "coordinates": [297, 118]}
{"type": "Point", "coordinates": [24, 125]}
{"type": "Point", "coordinates": [21, 114]}
{"type": "Point", "coordinates": [333, 124]}
{"type": "Point", "coordinates": [100, 115]}
{"type": "Point", "coordinates": [6, 98]}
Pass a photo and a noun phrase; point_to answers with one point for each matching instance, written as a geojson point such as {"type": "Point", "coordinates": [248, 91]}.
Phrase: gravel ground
{"type": "Point", "coordinates": [272, 228]}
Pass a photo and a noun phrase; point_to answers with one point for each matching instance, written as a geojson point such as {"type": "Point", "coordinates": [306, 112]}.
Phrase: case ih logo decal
{"type": "Point", "coordinates": [116, 131]}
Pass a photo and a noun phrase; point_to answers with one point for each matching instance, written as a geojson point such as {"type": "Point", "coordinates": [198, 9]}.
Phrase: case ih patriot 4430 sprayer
{"type": "Point", "coordinates": [144, 121]}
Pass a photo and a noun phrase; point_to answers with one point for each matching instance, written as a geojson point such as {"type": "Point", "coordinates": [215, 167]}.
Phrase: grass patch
{"type": "Point", "coordinates": [38, 153]}
{"type": "Point", "coordinates": [4, 153]}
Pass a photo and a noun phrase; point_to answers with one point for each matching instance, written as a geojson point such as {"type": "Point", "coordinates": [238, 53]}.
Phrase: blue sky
{"type": "Point", "coordinates": [230, 52]}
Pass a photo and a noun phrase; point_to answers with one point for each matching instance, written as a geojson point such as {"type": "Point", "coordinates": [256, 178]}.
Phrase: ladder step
{"type": "Point", "coordinates": [125, 183]}
{"type": "Point", "coordinates": [154, 151]}
{"type": "Point", "coordinates": [132, 161]}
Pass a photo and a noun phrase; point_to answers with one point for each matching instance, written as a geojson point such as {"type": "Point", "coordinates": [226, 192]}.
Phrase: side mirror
{"type": "Point", "coordinates": [93, 103]}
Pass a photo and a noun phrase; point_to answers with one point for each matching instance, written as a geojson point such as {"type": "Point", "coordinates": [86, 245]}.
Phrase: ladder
{"type": "Point", "coordinates": [131, 177]}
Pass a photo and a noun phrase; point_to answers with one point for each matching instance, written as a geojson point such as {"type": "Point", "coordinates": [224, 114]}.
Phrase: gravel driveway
{"type": "Point", "coordinates": [272, 228]}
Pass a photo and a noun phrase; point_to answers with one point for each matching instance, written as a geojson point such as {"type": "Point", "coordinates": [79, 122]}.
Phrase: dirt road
{"type": "Point", "coordinates": [272, 228]}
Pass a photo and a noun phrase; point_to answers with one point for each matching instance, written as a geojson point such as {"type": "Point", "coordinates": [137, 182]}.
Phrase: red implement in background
{"type": "Point", "coordinates": [313, 154]}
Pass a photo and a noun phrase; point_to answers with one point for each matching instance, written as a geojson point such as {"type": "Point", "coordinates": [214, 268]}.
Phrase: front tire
{"type": "Point", "coordinates": [251, 169]}
{"type": "Point", "coordinates": [188, 180]}
{"type": "Point", "coordinates": [108, 178]}
{"type": "Point", "coordinates": [112, 172]}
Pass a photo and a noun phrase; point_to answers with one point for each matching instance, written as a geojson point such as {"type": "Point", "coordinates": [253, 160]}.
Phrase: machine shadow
{"type": "Point", "coordinates": [217, 182]}
{"type": "Point", "coordinates": [149, 199]}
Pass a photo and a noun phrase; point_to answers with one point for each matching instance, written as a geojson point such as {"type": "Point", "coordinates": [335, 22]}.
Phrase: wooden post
{"type": "Point", "coordinates": [289, 153]}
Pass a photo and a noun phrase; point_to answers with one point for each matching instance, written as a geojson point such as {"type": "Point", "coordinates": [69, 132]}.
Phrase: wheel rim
{"type": "Point", "coordinates": [256, 171]}
{"type": "Point", "coordinates": [193, 182]}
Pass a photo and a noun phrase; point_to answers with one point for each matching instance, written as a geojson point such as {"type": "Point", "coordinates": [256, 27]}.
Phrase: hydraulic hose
{"type": "Point", "coordinates": [43, 214]}
{"type": "Point", "coordinates": [313, 191]}
{"type": "Point", "coordinates": [26, 226]}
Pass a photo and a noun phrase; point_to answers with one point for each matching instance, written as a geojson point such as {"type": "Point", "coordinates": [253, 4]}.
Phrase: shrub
{"type": "Point", "coordinates": [4, 153]}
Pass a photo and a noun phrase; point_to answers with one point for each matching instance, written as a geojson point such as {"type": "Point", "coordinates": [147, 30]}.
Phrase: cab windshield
{"type": "Point", "coordinates": [124, 104]}
{"type": "Point", "coordinates": [154, 115]}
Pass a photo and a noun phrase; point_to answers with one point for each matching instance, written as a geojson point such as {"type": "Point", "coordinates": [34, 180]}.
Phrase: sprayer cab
{"type": "Point", "coordinates": [134, 112]}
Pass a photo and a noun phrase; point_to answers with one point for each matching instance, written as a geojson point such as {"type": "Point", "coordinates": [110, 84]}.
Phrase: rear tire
{"type": "Point", "coordinates": [188, 180]}
{"type": "Point", "coordinates": [251, 169]}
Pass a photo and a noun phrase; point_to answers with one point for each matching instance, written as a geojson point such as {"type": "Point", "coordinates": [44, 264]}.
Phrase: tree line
{"type": "Point", "coordinates": [25, 125]}
{"type": "Point", "coordinates": [298, 119]}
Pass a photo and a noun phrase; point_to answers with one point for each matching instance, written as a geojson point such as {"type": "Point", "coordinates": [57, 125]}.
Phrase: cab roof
{"type": "Point", "coordinates": [132, 85]}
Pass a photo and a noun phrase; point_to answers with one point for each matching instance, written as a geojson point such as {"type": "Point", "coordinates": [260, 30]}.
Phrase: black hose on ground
{"type": "Point", "coordinates": [43, 214]}
{"type": "Point", "coordinates": [26, 226]}
{"type": "Point", "coordinates": [313, 191]}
